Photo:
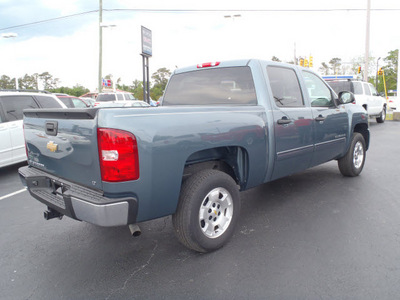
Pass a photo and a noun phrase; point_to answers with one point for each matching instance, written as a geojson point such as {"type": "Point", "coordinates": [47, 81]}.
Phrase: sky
{"type": "Point", "coordinates": [61, 37]}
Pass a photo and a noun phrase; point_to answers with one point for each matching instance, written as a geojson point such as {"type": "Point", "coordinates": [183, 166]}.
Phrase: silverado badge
{"type": "Point", "coordinates": [52, 146]}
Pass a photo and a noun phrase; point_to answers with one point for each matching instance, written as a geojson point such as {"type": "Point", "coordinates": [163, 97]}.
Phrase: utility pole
{"type": "Point", "coordinates": [367, 41]}
{"type": "Point", "coordinates": [100, 80]}
{"type": "Point", "coordinates": [398, 74]}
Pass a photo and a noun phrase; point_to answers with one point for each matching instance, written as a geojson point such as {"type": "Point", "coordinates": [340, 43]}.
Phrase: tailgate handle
{"type": "Point", "coordinates": [52, 128]}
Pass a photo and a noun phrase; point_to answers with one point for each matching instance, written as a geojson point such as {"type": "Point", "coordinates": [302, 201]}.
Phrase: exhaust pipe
{"type": "Point", "coordinates": [51, 214]}
{"type": "Point", "coordinates": [135, 230]}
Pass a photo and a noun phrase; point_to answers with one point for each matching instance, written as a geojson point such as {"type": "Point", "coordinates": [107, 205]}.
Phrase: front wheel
{"type": "Point", "coordinates": [208, 210]}
{"type": "Point", "coordinates": [353, 162]}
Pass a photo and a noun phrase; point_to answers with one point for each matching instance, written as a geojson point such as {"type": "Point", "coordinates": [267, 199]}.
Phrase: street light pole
{"type": "Point", "coordinates": [367, 41]}
{"type": "Point", "coordinates": [100, 80]}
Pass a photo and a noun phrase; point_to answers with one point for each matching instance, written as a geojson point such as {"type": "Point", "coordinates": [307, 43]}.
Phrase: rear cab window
{"type": "Point", "coordinates": [219, 86]}
{"type": "Point", "coordinates": [106, 97]}
{"type": "Point", "coordinates": [340, 86]}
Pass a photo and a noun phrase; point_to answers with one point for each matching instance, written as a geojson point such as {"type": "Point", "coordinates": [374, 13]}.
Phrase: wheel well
{"type": "Point", "coordinates": [363, 129]}
{"type": "Point", "coordinates": [230, 160]}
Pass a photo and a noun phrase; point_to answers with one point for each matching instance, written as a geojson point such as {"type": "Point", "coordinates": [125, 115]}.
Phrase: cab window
{"type": "Point", "coordinates": [47, 102]}
{"type": "Point", "coordinates": [14, 105]}
{"type": "Point", "coordinates": [357, 88]}
{"type": "Point", "coordinates": [285, 87]}
{"type": "Point", "coordinates": [320, 95]}
{"type": "Point", "coordinates": [366, 89]}
{"type": "Point", "coordinates": [373, 90]}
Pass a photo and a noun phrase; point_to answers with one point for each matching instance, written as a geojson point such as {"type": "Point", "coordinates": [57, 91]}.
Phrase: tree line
{"type": "Point", "coordinates": [335, 66]}
{"type": "Point", "coordinates": [49, 83]}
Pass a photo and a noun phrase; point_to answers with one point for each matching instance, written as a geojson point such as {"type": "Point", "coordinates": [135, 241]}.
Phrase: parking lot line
{"type": "Point", "coordinates": [12, 194]}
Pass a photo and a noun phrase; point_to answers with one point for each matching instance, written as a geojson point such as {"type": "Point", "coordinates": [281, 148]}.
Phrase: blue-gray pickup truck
{"type": "Point", "coordinates": [222, 128]}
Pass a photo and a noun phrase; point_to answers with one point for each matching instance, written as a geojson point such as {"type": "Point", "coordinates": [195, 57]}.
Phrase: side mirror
{"type": "Point", "coordinates": [346, 97]}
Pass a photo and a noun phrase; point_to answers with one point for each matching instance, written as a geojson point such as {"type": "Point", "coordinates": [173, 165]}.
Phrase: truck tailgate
{"type": "Point", "coordinates": [64, 142]}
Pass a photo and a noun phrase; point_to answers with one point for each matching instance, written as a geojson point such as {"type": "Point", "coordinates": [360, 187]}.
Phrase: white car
{"type": "Point", "coordinates": [124, 103]}
{"type": "Point", "coordinates": [12, 103]}
{"type": "Point", "coordinates": [365, 95]}
{"type": "Point", "coordinates": [112, 97]}
{"type": "Point", "coordinates": [393, 102]}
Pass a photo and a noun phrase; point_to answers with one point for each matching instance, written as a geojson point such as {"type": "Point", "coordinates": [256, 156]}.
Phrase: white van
{"type": "Point", "coordinates": [365, 95]}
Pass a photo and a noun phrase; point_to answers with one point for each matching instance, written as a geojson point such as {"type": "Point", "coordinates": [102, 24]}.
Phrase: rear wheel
{"type": "Point", "coordinates": [208, 210]}
{"type": "Point", "coordinates": [353, 162]}
{"type": "Point", "coordinates": [382, 116]}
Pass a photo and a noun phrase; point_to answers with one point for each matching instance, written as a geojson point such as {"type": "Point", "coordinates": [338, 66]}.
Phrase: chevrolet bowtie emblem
{"type": "Point", "coordinates": [52, 147]}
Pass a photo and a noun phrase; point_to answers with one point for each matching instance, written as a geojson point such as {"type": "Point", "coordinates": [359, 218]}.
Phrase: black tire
{"type": "Point", "coordinates": [352, 163]}
{"type": "Point", "coordinates": [204, 221]}
{"type": "Point", "coordinates": [382, 116]}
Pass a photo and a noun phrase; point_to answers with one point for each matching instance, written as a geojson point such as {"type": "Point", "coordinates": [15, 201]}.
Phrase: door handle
{"type": "Point", "coordinates": [284, 121]}
{"type": "Point", "coordinates": [320, 119]}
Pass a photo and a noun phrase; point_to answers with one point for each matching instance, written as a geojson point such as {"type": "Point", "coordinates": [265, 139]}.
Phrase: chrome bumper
{"type": "Point", "coordinates": [78, 202]}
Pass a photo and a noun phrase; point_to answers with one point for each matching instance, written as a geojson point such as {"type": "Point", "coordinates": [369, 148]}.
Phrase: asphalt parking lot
{"type": "Point", "coordinates": [313, 235]}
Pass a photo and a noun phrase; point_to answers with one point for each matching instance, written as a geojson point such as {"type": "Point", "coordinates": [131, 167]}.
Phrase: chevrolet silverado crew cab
{"type": "Point", "coordinates": [12, 103]}
{"type": "Point", "coordinates": [222, 128]}
{"type": "Point", "coordinates": [365, 95]}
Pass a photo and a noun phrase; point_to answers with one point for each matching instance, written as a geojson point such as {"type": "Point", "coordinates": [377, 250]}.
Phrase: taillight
{"type": "Point", "coordinates": [118, 154]}
{"type": "Point", "coordinates": [208, 65]}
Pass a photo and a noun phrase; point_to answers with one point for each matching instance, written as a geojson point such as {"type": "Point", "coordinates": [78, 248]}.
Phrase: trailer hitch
{"type": "Point", "coordinates": [51, 214]}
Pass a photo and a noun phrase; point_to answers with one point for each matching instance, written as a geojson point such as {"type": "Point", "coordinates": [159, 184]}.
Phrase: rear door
{"type": "Point", "coordinates": [371, 103]}
{"type": "Point", "coordinates": [378, 101]}
{"type": "Point", "coordinates": [292, 122]}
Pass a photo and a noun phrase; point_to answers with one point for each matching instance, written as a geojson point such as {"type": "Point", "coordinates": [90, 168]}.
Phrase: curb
{"type": "Point", "coordinates": [393, 115]}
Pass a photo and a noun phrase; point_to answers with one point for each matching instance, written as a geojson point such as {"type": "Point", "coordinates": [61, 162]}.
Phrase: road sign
{"type": "Point", "coordinates": [147, 49]}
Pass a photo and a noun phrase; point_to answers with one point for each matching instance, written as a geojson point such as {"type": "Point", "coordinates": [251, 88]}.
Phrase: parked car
{"type": "Point", "coordinates": [12, 103]}
{"type": "Point", "coordinates": [113, 97]}
{"type": "Point", "coordinates": [125, 103]}
{"type": "Point", "coordinates": [73, 102]}
{"type": "Point", "coordinates": [393, 102]}
{"type": "Point", "coordinates": [365, 95]}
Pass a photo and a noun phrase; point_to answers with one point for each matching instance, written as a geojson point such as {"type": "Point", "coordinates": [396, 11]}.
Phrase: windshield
{"type": "Point", "coordinates": [212, 87]}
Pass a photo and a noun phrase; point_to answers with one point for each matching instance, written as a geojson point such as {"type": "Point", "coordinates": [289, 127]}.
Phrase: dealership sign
{"type": "Point", "coordinates": [146, 42]}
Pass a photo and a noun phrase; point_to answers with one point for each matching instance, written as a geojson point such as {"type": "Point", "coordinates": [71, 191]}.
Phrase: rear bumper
{"type": "Point", "coordinates": [78, 202]}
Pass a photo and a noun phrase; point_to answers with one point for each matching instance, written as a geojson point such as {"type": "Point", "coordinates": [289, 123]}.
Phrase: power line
{"type": "Point", "coordinates": [198, 11]}
{"type": "Point", "coordinates": [248, 10]}
{"type": "Point", "coordinates": [49, 20]}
